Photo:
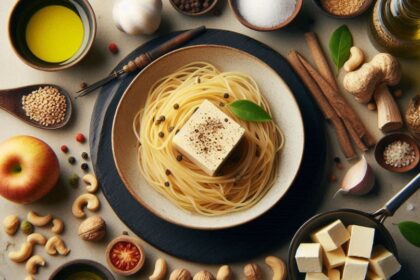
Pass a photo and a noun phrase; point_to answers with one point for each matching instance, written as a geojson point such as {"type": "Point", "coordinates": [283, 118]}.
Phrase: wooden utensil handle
{"type": "Point", "coordinates": [144, 59]}
{"type": "Point", "coordinates": [389, 116]}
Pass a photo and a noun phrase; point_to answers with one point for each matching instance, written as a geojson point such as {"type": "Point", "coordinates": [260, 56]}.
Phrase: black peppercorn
{"type": "Point", "coordinates": [71, 160]}
{"type": "Point", "coordinates": [176, 106]}
{"type": "Point", "coordinates": [226, 95]}
{"type": "Point", "coordinates": [179, 157]}
{"type": "Point", "coordinates": [167, 184]}
{"type": "Point", "coordinates": [85, 156]}
{"type": "Point", "coordinates": [161, 134]}
{"type": "Point", "coordinates": [162, 118]}
{"type": "Point", "coordinates": [168, 172]}
{"type": "Point", "coordinates": [222, 104]}
{"type": "Point", "coordinates": [171, 128]}
{"type": "Point", "coordinates": [226, 120]}
{"type": "Point", "coordinates": [84, 166]}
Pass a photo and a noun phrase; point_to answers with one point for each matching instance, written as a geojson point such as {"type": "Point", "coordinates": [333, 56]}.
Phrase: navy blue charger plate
{"type": "Point", "coordinates": [263, 235]}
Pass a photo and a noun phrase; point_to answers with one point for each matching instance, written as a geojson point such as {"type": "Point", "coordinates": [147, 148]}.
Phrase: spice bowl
{"type": "Point", "coordinates": [349, 13]}
{"type": "Point", "coordinates": [45, 48]}
{"type": "Point", "coordinates": [81, 269]}
{"type": "Point", "coordinates": [235, 7]}
{"type": "Point", "coordinates": [194, 7]}
{"type": "Point", "coordinates": [397, 152]}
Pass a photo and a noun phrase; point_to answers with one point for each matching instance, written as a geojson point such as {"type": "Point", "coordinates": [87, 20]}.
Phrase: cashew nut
{"type": "Point", "coordinates": [23, 254]}
{"type": "Point", "coordinates": [203, 275]}
{"type": "Point", "coordinates": [36, 238]}
{"type": "Point", "coordinates": [58, 226]}
{"type": "Point", "coordinates": [278, 266]}
{"type": "Point", "coordinates": [180, 274]}
{"type": "Point", "coordinates": [33, 263]}
{"type": "Point", "coordinates": [92, 183]}
{"type": "Point", "coordinates": [89, 200]}
{"type": "Point", "coordinates": [160, 270]}
{"type": "Point", "coordinates": [56, 245]}
{"type": "Point", "coordinates": [224, 273]}
{"type": "Point", "coordinates": [38, 220]}
{"type": "Point", "coordinates": [11, 224]}
{"type": "Point", "coordinates": [356, 59]}
{"type": "Point", "coordinates": [252, 272]}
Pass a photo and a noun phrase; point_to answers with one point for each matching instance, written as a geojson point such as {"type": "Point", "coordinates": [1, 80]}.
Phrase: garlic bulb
{"type": "Point", "coordinates": [137, 16]}
{"type": "Point", "coordinates": [359, 179]}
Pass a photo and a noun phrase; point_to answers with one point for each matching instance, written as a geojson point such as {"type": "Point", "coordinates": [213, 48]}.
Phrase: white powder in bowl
{"type": "Point", "coordinates": [266, 13]}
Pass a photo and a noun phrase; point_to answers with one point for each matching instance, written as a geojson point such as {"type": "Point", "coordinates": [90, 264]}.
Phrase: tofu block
{"type": "Point", "coordinates": [335, 258]}
{"type": "Point", "coordinates": [331, 236]}
{"type": "Point", "coordinates": [355, 269]}
{"type": "Point", "coordinates": [383, 262]}
{"type": "Point", "coordinates": [361, 241]}
{"type": "Point", "coordinates": [308, 257]}
{"type": "Point", "coordinates": [373, 276]}
{"type": "Point", "coordinates": [316, 276]}
{"type": "Point", "coordinates": [208, 137]}
{"type": "Point", "coordinates": [333, 274]}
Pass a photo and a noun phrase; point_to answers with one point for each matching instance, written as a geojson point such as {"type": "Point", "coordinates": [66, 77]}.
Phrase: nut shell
{"type": "Point", "coordinates": [92, 229]}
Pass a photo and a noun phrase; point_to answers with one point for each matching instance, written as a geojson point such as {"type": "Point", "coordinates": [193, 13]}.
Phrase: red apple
{"type": "Point", "coordinates": [29, 169]}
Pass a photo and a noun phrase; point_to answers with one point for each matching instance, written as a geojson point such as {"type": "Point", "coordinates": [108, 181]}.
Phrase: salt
{"type": "Point", "coordinates": [266, 13]}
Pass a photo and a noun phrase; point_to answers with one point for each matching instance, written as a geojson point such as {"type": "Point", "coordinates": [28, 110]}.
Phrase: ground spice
{"type": "Point", "coordinates": [343, 7]}
{"type": "Point", "coordinates": [46, 105]}
{"type": "Point", "coordinates": [399, 154]}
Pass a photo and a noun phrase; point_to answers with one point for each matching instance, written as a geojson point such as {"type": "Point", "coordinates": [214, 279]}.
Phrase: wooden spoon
{"type": "Point", "coordinates": [11, 101]}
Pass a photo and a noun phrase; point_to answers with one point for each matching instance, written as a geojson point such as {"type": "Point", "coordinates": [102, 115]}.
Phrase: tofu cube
{"type": "Point", "coordinates": [373, 276]}
{"type": "Point", "coordinates": [335, 258]}
{"type": "Point", "coordinates": [333, 274]}
{"type": "Point", "coordinates": [331, 236]}
{"type": "Point", "coordinates": [308, 257]}
{"type": "Point", "coordinates": [361, 241]}
{"type": "Point", "coordinates": [316, 276]}
{"type": "Point", "coordinates": [355, 269]}
{"type": "Point", "coordinates": [384, 263]}
{"type": "Point", "coordinates": [208, 137]}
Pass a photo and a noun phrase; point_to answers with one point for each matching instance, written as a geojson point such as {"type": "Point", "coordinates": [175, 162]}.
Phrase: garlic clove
{"type": "Point", "coordinates": [359, 179]}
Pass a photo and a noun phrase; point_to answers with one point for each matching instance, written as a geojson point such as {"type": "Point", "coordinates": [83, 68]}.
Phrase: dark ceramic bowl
{"type": "Point", "coordinates": [388, 139]}
{"type": "Point", "coordinates": [210, 8]}
{"type": "Point", "coordinates": [359, 12]}
{"type": "Point", "coordinates": [67, 269]}
{"type": "Point", "coordinates": [22, 12]}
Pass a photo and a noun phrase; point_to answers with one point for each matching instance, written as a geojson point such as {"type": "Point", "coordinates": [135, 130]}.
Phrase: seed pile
{"type": "Point", "coordinates": [343, 7]}
{"type": "Point", "coordinates": [46, 105]}
{"type": "Point", "coordinates": [193, 6]}
{"type": "Point", "coordinates": [399, 154]}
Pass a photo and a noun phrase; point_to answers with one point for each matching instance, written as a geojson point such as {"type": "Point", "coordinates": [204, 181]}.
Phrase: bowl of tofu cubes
{"type": "Point", "coordinates": [343, 245]}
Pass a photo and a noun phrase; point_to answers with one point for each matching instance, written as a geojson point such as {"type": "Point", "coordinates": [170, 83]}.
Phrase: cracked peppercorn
{"type": "Point", "coordinates": [85, 156]}
{"type": "Point", "coordinates": [84, 166]}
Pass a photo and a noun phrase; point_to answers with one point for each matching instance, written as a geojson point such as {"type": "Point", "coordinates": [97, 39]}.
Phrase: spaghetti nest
{"type": "Point", "coordinates": [247, 174]}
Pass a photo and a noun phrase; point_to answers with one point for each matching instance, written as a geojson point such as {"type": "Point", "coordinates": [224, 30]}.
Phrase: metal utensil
{"type": "Point", "coordinates": [144, 59]}
{"type": "Point", "coordinates": [350, 217]}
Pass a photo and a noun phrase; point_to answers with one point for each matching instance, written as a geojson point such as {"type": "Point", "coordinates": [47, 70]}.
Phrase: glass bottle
{"type": "Point", "coordinates": [395, 27]}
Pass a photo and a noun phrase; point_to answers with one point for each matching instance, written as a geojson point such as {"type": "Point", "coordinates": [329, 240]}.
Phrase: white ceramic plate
{"type": "Point", "coordinates": [284, 109]}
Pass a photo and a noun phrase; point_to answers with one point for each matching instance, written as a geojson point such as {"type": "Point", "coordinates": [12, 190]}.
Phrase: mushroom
{"type": "Point", "coordinates": [371, 81]}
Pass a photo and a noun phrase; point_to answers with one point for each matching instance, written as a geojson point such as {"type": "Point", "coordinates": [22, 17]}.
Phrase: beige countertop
{"type": "Point", "coordinates": [99, 62]}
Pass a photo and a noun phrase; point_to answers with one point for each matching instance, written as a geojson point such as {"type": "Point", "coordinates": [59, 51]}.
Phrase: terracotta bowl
{"type": "Point", "coordinates": [234, 6]}
{"type": "Point", "coordinates": [19, 17]}
{"type": "Point", "coordinates": [66, 270]}
{"type": "Point", "coordinates": [362, 9]}
{"type": "Point", "coordinates": [388, 139]}
{"type": "Point", "coordinates": [203, 12]}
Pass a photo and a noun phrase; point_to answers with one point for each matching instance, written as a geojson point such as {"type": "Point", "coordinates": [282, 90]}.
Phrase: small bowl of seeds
{"type": "Point", "coordinates": [344, 8]}
{"type": "Point", "coordinates": [397, 152]}
{"type": "Point", "coordinates": [194, 7]}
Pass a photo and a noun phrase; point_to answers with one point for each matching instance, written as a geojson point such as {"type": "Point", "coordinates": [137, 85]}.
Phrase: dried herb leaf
{"type": "Point", "coordinates": [411, 232]}
{"type": "Point", "coordinates": [249, 111]}
{"type": "Point", "coordinates": [340, 43]}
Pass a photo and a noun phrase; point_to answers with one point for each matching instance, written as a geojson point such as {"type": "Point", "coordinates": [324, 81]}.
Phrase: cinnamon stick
{"type": "Point", "coordinates": [327, 110]}
{"type": "Point", "coordinates": [337, 101]}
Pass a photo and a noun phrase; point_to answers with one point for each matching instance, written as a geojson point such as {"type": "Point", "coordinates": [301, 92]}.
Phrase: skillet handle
{"type": "Point", "coordinates": [394, 203]}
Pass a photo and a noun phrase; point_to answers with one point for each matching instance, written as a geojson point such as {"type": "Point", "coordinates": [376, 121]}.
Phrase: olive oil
{"type": "Point", "coordinates": [395, 26]}
{"type": "Point", "coordinates": [84, 275]}
{"type": "Point", "coordinates": [54, 33]}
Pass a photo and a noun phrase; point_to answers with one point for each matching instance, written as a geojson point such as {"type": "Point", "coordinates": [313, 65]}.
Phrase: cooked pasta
{"type": "Point", "coordinates": [247, 174]}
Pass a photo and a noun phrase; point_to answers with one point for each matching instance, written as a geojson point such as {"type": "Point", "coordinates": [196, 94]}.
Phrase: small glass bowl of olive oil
{"type": "Point", "coordinates": [52, 35]}
{"type": "Point", "coordinates": [81, 270]}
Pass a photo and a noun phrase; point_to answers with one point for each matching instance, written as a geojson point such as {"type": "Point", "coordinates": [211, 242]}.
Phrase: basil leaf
{"type": "Point", "coordinates": [340, 43]}
{"type": "Point", "coordinates": [249, 111]}
{"type": "Point", "coordinates": [411, 232]}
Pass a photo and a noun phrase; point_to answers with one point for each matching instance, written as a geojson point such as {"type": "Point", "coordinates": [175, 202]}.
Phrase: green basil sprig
{"type": "Point", "coordinates": [340, 43]}
{"type": "Point", "coordinates": [411, 232]}
{"type": "Point", "coordinates": [249, 111]}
